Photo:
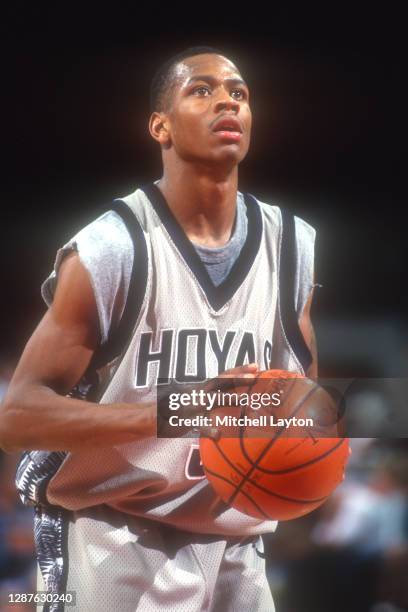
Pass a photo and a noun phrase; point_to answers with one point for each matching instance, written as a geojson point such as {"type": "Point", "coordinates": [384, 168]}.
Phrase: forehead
{"type": "Point", "coordinates": [208, 64]}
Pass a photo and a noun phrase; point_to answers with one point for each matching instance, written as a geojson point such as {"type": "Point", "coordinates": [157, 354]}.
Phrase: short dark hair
{"type": "Point", "coordinates": [163, 79]}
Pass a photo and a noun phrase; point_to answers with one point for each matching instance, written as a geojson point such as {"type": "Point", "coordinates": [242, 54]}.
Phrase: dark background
{"type": "Point", "coordinates": [329, 102]}
{"type": "Point", "coordinates": [329, 99]}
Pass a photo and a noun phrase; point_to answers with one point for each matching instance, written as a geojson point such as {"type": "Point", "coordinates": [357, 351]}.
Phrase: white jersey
{"type": "Point", "coordinates": [188, 330]}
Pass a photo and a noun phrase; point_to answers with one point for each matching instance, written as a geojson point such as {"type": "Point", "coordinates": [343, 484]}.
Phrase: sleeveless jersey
{"type": "Point", "coordinates": [189, 330]}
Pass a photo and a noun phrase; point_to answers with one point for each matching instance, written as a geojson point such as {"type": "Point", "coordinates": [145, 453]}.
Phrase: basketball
{"type": "Point", "coordinates": [289, 472]}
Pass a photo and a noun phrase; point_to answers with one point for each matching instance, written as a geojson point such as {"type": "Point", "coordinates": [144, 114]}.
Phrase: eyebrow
{"type": "Point", "coordinates": [210, 79]}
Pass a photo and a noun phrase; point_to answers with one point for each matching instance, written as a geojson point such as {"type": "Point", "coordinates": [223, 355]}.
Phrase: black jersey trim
{"type": "Point", "coordinates": [217, 296]}
{"type": "Point", "coordinates": [119, 337]}
{"type": "Point", "coordinates": [287, 276]}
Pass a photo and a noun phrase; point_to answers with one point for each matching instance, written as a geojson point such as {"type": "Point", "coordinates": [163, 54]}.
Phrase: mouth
{"type": "Point", "coordinates": [228, 135]}
{"type": "Point", "coordinates": [228, 128]}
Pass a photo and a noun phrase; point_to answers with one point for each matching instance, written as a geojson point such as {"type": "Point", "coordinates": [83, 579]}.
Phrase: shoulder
{"type": "Point", "coordinates": [104, 247]}
{"type": "Point", "coordinates": [270, 211]}
{"type": "Point", "coordinates": [305, 233]}
{"type": "Point", "coordinates": [104, 244]}
{"type": "Point", "coordinates": [108, 233]}
{"type": "Point", "coordinates": [106, 252]}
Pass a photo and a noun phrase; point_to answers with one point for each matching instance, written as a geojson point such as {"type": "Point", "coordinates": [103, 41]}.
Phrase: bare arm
{"type": "Point", "coordinates": [35, 413]}
{"type": "Point", "coordinates": [307, 330]}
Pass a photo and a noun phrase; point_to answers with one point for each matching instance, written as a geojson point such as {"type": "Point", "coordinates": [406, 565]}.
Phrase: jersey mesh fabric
{"type": "Point", "coordinates": [120, 561]}
{"type": "Point", "coordinates": [150, 477]}
{"type": "Point", "coordinates": [106, 251]}
{"type": "Point", "coordinates": [130, 564]}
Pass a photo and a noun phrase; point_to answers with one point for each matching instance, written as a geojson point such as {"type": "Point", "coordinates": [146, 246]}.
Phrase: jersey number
{"type": "Point", "coordinates": [194, 469]}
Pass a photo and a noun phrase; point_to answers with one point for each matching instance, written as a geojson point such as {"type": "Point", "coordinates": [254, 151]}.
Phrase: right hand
{"type": "Point", "coordinates": [229, 380]}
{"type": "Point", "coordinates": [233, 378]}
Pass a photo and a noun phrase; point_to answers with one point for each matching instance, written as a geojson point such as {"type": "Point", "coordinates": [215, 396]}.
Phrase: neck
{"type": "Point", "coordinates": [203, 202]}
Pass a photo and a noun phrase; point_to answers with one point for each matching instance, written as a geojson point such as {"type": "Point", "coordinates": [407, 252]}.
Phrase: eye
{"type": "Point", "coordinates": [238, 94]}
{"type": "Point", "coordinates": [202, 90]}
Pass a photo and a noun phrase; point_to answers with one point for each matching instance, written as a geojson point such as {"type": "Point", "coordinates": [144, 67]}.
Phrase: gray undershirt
{"type": "Point", "coordinates": [219, 260]}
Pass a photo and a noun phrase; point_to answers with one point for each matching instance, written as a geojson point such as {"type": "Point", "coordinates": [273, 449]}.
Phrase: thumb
{"type": "Point", "coordinates": [249, 368]}
{"type": "Point", "coordinates": [214, 433]}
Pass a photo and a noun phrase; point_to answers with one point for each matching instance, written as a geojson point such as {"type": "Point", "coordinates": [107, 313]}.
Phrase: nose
{"type": "Point", "coordinates": [226, 102]}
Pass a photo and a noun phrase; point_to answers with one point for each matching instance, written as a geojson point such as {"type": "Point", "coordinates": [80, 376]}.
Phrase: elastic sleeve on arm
{"type": "Point", "coordinates": [304, 279]}
{"type": "Point", "coordinates": [105, 249]}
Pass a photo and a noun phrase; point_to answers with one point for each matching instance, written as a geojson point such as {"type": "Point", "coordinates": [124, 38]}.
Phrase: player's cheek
{"type": "Point", "coordinates": [245, 142]}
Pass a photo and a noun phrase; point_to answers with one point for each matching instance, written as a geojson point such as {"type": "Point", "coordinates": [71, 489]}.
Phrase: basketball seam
{"type": "Point", "coordinates": [268, 491]}
{"type": "Point", "coordinates": [243, 492]}
{"type": "Point", "coordinates": [297, 467]}
{"type": "Point", "coordinates": [256, 484]}
{"type": "Point", "coordinates": [265, 450]}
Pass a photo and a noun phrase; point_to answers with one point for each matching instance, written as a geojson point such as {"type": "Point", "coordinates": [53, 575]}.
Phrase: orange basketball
{"type": "Point", "coordinates": [289, 473]}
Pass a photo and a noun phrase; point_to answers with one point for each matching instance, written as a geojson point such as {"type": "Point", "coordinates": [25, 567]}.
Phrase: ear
{"type": "Point", "coordinates": [159, 129]}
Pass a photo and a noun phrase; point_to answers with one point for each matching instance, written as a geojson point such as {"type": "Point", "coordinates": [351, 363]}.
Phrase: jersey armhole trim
{"type": "Point", "coordinates": [118, 338]}
{"type": "Point", "coordinates": [287, 275]}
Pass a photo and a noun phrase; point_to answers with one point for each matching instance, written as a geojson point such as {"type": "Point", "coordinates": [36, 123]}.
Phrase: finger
{"type": "Point", "coordinates": [238, 377]}
{"type": "Point", "coordinates": [227, 379]}
{"type": "Point", "coordinates": [217, 507]}
{"type": "Point", "coordinates": [214, 433]}
{"type": "Point", "coordinates": [229, 382]}
{"type": "Point", "coordinates": [250, 369]}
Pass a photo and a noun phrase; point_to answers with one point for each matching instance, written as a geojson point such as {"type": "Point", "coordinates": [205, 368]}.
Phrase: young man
{"type": "Point", "coordinates": [185, 279]}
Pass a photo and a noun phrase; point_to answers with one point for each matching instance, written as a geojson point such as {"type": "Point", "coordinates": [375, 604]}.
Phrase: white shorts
{"type": "Point", "coordinates": [120, 563]}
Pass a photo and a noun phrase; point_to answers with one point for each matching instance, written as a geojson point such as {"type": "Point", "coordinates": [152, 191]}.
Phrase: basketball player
{"type": "Point", "coordinates": [185, 278]}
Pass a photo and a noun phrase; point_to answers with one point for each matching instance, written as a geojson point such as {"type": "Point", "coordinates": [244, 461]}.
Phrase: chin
{"type": "Point", "coordinates": [230, 155]}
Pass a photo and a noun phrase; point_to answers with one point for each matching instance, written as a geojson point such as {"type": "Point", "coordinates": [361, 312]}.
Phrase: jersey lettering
{"type": "Point", "coordinates": [221, 352]}
{"type": "Point", "coordinates": [194, 467]}
{"type": "Point", "coordinates": [190, 347]}
{"type": "Point", "coordinates": [147, 356]}
{"type": "Point", "coordinates": [246, 352]}
{"type": "Point", "coordinates": [267, 355]}
{"type": "Point", "coordinates": [184, 356]}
